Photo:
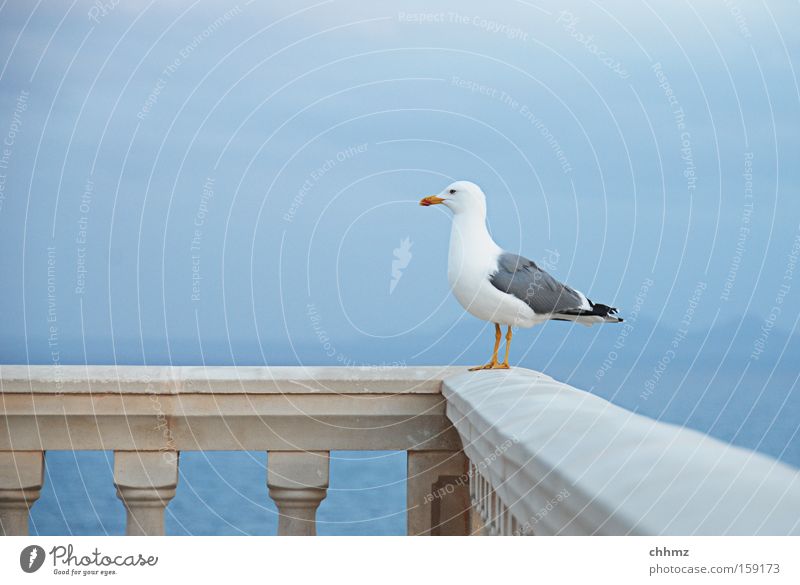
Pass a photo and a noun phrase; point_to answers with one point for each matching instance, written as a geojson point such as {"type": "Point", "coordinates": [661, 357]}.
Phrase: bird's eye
{"type": "Point", "coordinates": [452, 191]}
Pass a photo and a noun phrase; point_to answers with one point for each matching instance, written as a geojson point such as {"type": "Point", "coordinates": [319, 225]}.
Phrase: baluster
{"type": "Point", "coordinates": [479, 493]}
{"type": "Point", "coordinates": [482, 500]}
{"type": "Point", "coordinates": [476, 524]}
{"type": "Point", "coordinates": [438, 496]}
{"type": "Point", "coordinates": [21, 479]}
{"type": "Point", "coordinates": [501, 517]}
{"type": "Point", "coordinates": [473, 498]}
{"type": "Point", "coordinates": [505, 524]}
{"type": "Point", "coordinates": [298, 482]}
{"type": "Point", "coordinates": [146, 481]}
{"type": "Point", "coordinates": [492, 512]}
{"type": "Point", "coordinates": [487, 502]}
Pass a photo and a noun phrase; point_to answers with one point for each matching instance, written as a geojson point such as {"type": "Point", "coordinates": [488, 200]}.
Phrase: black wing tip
{"type": "Point", "coordinates": [610, 313]}
{"type": "Point", "coordinates": [598, 310]}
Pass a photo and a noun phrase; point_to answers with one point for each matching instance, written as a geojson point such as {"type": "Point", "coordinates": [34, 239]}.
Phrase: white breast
{"type": "Point", "coordinates": [473, 258]}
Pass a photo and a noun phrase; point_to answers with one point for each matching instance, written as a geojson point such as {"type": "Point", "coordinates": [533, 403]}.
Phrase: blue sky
{"type": "Point", "coordinates": [228, 183]}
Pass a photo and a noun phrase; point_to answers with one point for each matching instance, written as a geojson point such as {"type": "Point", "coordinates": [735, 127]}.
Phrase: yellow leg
{"type": "Point", "coordinates": [508, 345]}
{"type": "Point", "coordinates": [493, 364]}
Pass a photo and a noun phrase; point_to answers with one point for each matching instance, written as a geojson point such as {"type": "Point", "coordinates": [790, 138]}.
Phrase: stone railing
{"type": "Point", "coordinates": [148, 415]}
{"type": "Point", "coordinates": [546, 458]}
{"type": "Point", "coordinates": [501, 452]}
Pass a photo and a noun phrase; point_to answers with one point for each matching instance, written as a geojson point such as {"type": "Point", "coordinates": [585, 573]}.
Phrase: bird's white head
{"type": "Point", "coordinates": [460, 197]}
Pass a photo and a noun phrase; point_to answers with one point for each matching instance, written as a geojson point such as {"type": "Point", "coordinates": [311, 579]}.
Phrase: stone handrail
{"type": "Point", "coordinates": [148, 415]}
{"type": "Point", "coordinates": [546, 458]}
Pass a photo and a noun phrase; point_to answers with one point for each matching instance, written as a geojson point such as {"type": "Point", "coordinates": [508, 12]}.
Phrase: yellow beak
{"type": "Point", "coordinates": [430, 200]}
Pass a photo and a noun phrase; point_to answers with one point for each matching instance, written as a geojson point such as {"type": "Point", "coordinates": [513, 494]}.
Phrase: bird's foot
{"type": "Point", "coordinates": [491, 366]}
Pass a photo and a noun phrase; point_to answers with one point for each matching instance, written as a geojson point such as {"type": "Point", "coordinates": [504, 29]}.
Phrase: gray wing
{"type": "Point", "coordinates": [518, 276]}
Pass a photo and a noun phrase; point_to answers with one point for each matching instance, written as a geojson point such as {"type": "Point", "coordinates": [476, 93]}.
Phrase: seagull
{"type": "Point", "coordinates": [499, 286]}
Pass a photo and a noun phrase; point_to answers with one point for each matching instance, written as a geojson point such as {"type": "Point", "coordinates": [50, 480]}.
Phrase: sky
{"type": "Point", "coordinates": [237, 183]}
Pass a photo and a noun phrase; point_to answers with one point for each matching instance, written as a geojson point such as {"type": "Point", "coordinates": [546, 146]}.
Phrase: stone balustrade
{"type": "Point", "coordinates": [149, 415]}
{"type": "Point", "coordinates": [492, 452]}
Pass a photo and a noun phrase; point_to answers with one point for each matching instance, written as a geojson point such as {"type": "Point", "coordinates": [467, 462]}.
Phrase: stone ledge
{"type": "Point", "coordinates": [534, 437]}
{"type": "Point", "coordinates": [224, 408]}
{"type": "Point", "coordinates": [21, 379]}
